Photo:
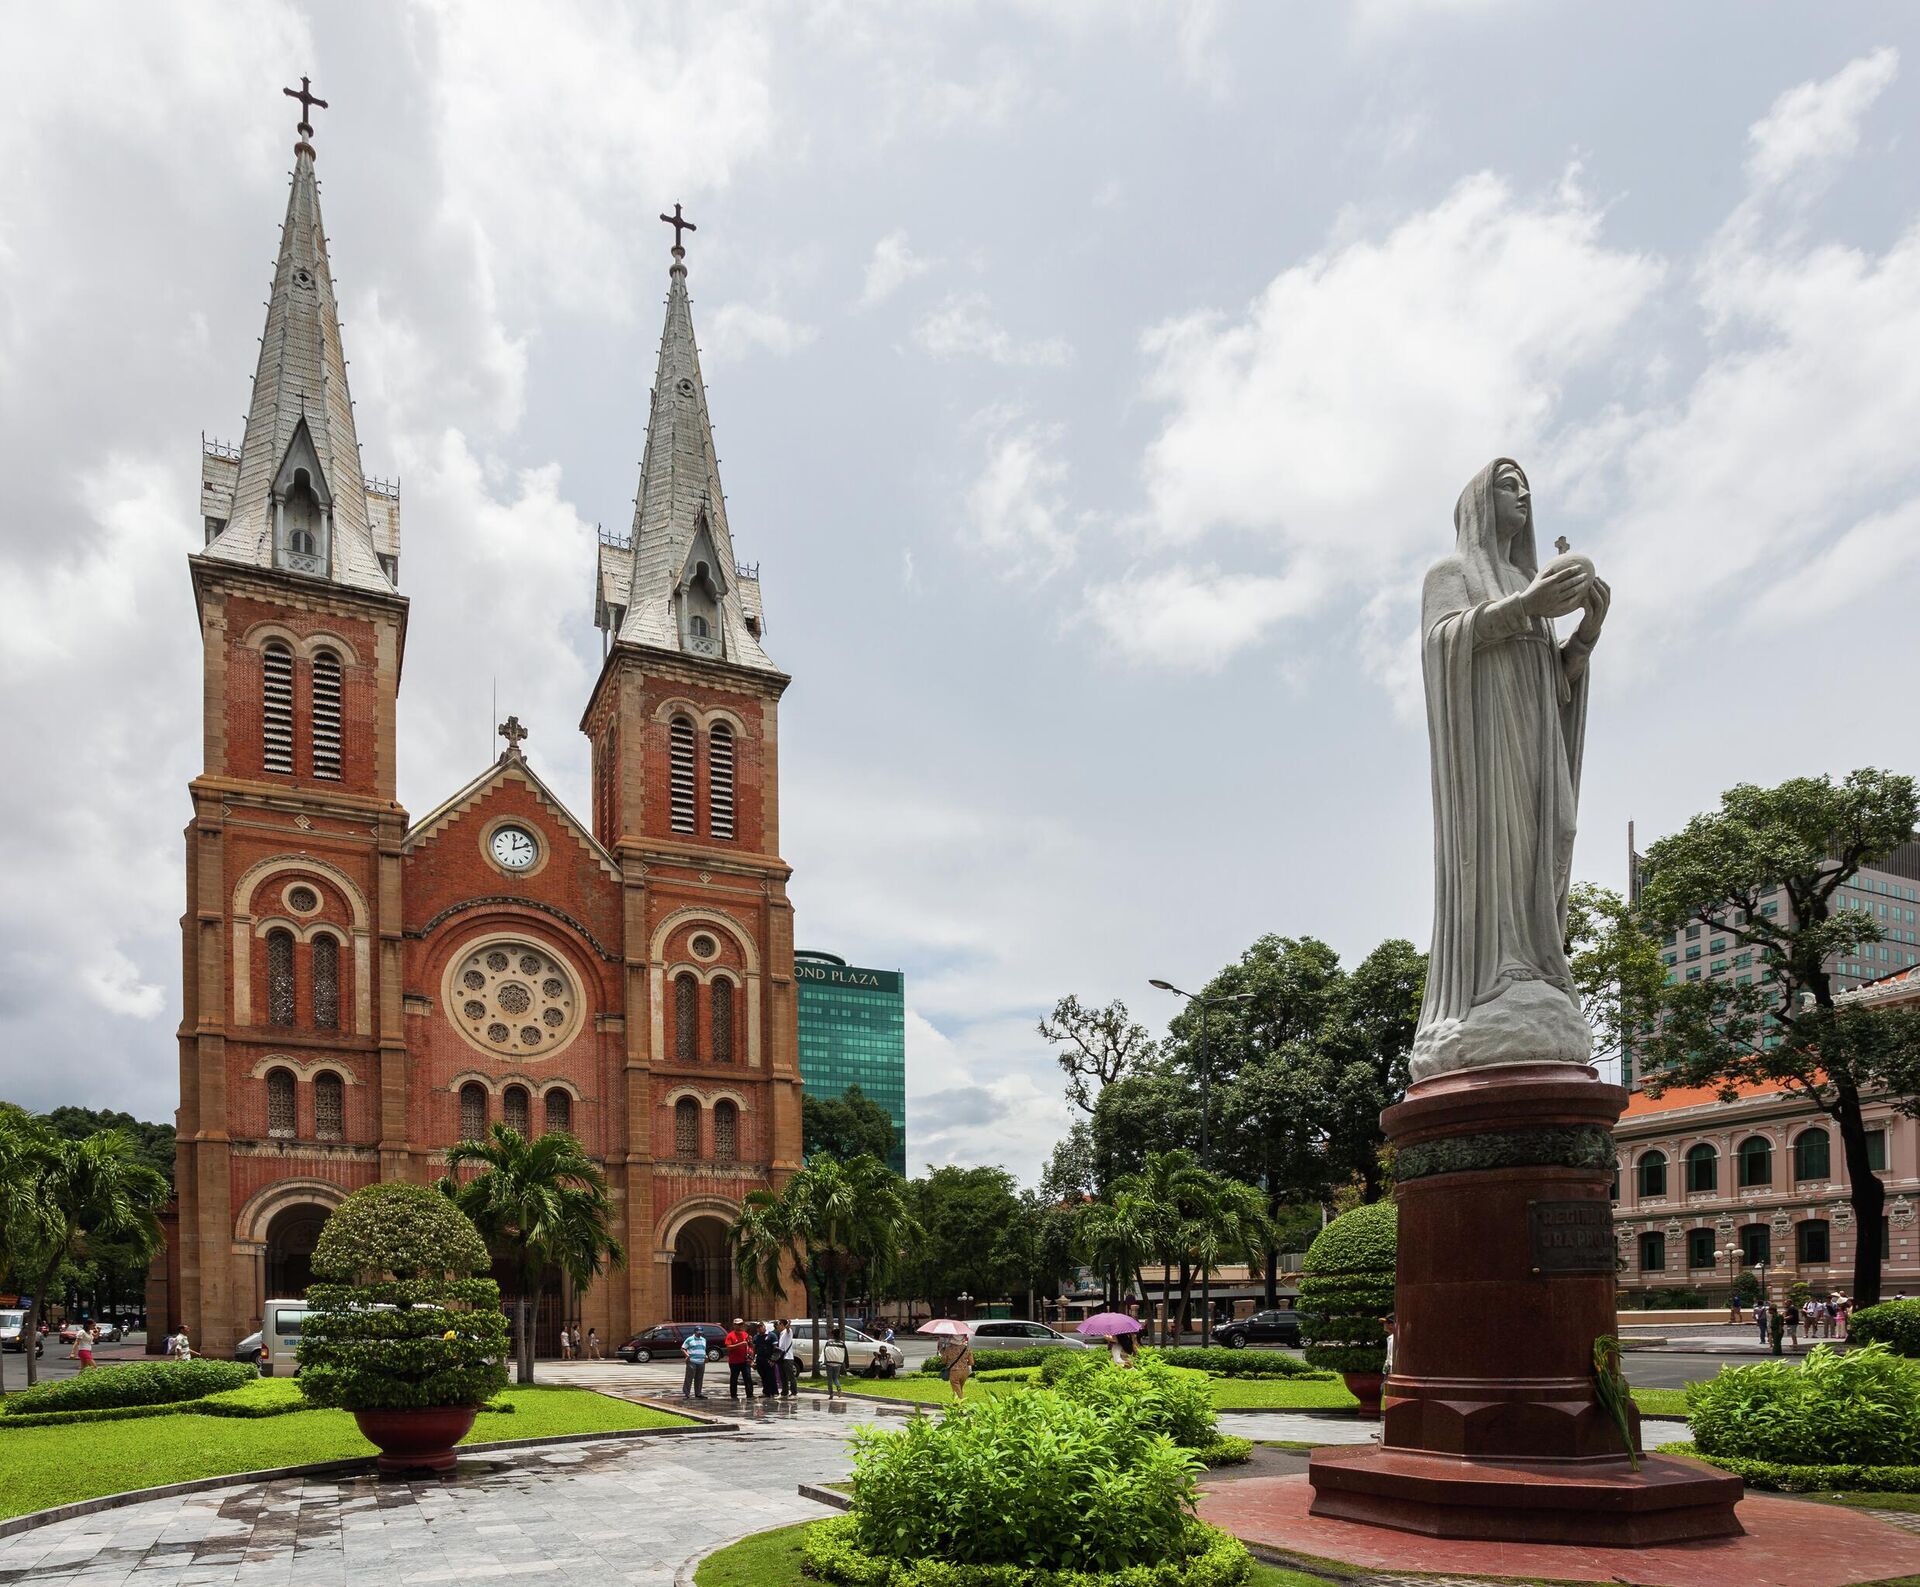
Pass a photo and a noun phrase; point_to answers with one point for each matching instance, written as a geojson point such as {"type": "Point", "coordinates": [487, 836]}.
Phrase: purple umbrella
{"type": "Point", "coordinates": [1105, 1324]}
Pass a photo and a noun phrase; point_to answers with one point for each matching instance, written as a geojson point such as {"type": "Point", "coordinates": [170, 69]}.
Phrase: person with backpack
{"type": "Point", "coordinates": [956, 1362]}
{"type": "Point", "coordinates": [739, 1348]}
{"type": "Point", "coordinates": [833, 1357]}
{"type": "Point", "coordinates": [693, 1385]}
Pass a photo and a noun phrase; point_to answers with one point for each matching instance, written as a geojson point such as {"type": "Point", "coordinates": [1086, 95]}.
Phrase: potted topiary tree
{"type": "Point", "coordinates": [401, 1332]}
{"type": "Point", "coordinates": [1346, 1293]}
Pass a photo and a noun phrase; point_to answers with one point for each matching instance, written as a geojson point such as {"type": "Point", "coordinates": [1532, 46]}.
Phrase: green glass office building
{"type": "Point", "coordinates": [853, 1031]}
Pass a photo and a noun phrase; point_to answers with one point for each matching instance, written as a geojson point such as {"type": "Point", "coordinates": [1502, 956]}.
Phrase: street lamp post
{"type": "Point", "coordinates": [966, 1306]}
{"type": "Point", "coordinates": [1206, 1144]}
{"type": "Point", "coordinates": [1732, 1253]}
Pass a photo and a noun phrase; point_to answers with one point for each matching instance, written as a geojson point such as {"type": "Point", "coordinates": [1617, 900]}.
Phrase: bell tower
{"type": "Point", "coordinates": [292, 1067]}
{"type": "Point", "coordinates": [684, 724]}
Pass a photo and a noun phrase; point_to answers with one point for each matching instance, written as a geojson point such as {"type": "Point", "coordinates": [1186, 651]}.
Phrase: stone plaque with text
{"type": "Point", "coordinates": [1572, 1237]}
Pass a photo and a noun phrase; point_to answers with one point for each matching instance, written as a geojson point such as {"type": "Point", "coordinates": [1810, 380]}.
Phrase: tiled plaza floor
{"type": "Point", "coordinates": [617, 1512]}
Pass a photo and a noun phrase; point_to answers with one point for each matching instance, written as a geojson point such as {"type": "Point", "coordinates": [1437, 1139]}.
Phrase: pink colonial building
{"type": "Point", "coordinates": [1707, 1187]}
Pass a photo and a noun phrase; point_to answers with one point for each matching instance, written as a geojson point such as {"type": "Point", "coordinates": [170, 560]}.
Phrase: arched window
{"type": "Point", "coordinates": [699, 626]}
{"type": "Point", "coordinates": [559, 1110]}
{"type": "Point", "coordinates": [473, 1111]}
{"type": "Point", "coordinates": [722, 1020]}
{"type": "Point", "coordinates": [1653, 1253]}
{"type": "Point", "coordinates": [726, 1132]}
{"type": "Point", "coordinates": [686, 1128]}
{"type": "Point", "coordinates": [280, 1001]}
{"type": "Point", "coordinates": [326, 715]}
{"type": "Point", "coordinates": [1652, 1170]}
{"type": "Point", "coordinates": [1812, 1155]}
{"type": "Point", "coordinates": [1756, 1161]}
{"type": "Point", "coordinates": [276, 708]}
{"type": "Point", "coordinates": [329, 1106]}
{"type": "Point", "coordinates": [280, 1115]}
{"type": "Point", "coordinates": [1703, 1168]}
{"type": "Point", "coordinates": [515, 1110]}
{"type": "Point", "coordinates": [326, 983]}
{"type": "Point", "coordinates": [680, 773]}
{"type": "Point", "coordinates": [686, 1018]}
{"type": "Point", "coordinates": [1810, 1244]}
{"type": "Point", "coordinates": [720, 780]}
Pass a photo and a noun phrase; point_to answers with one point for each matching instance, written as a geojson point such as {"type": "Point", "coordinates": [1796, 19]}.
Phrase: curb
{"type": "Point", "coordinates": [833, 1499]}
{"type": "Point", "coordinates": [683, 1576]}
{"type": "Point", "coordinates": [352, 1465]}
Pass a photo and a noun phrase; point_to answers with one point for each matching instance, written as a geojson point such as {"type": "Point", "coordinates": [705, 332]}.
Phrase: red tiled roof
{"type": "Point", "coordinates": [1694, 1097]}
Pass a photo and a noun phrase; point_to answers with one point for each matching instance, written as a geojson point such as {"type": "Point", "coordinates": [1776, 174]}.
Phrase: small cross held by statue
{"type": "Point", "coordinates": [1561, 545]}
{"type": "Point", "coordinates": [513, 733]}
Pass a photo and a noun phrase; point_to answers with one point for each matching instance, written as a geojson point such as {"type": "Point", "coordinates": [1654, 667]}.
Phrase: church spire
{"type": "Point", "coordinates": [294, 498]}
{"type": "Point", "coordinates": [676, 586]}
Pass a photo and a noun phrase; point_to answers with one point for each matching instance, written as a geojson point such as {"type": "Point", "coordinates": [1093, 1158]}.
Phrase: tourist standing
{"type": "Point", "coordinates": [1760, 1307]}
{"type": "Point", "coordinates": [693, 1383]}
{"type": "Point", "coordinates": [789, 1360]}
{"type": "Point", "coordinates": [956, 1357]}
{"type": "Point", "coordinates": [766, 1361]}
{"type": "Point", "coordinates": [833, 1357]}
{"type": "Point", "coordinates": [739, 1348]}
{"type": "Point", "coordinates": [1774, 1324]}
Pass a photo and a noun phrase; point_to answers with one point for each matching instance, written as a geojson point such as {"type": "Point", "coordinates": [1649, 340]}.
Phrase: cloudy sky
{"type": "Point", "coordinates": [1093, 381]}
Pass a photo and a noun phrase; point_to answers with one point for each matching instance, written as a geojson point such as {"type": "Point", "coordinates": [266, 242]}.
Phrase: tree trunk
{"type": "Point", "coordinates": [1272, 1301]}
{"type": "Point", "coordinates": [30, 1325]}
{"type": "Point", "coordinates": [1868, 1198]}
{"type": "Point", "coordinates": [1186, 1300]}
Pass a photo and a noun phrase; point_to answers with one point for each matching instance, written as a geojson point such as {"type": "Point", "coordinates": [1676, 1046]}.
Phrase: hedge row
{"type": "Point", "coordinates": [165, 1383]}
{"type": "Point", "coordinates": [1893, 1323]}
{"type": "Point", "coordinates": [1224, 1363]}
{"type": "Point", "coordinates": [831, 1553]}
{"type": "Point", "coordinates": [1225, 1450]}
{"type": "Point", "coordinates": [134, 1413]}
{"type": "Point", "coordinates": [1809, 1479]}
{"type": "Point", "coordinates": [1000, 1360]}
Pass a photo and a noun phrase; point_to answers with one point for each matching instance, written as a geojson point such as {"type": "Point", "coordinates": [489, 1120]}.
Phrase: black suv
{"type": "Point", "coordinates": [1262, 1328]}
{"type": "Point", "coordinates": [662, 1342]}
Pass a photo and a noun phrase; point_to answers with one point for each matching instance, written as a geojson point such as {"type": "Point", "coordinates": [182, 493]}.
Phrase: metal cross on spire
{"type": "Point", "coordinates": [512, 732]}
{"type": "Point", "coordinates": [679, 223]}
{"type": "Point", "coordinates": [308, 99]}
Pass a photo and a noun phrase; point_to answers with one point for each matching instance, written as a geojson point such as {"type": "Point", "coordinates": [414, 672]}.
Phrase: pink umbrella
{"type": "Point", "coordinates": [1105, 1324]}
{"type": "Point", "coordinates": [942, 1325]}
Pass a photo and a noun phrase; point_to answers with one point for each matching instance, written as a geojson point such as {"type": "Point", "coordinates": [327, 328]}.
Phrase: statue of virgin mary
{"type": "Point", "coordinates": [1506, 720]}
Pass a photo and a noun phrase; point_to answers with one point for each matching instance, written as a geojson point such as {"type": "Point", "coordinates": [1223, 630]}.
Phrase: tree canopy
{"type": "Point", "coordinates": [845, 1127]}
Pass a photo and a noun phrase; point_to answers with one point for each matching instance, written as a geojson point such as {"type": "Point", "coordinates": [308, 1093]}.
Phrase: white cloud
{"type": "Point", "coordinates": [1875, 553]}
{"type": "Point", "coordinates": [1195, 619]}
{"type": "Point", "coordinates": [1818, 123]}
{"type": "Point", "coordinates": [963, 326]}
{"type": "Point", "coordinates": [736, 330]}
{"type": "Point", "coordinates": [892, 266]}
{"type": "Point", "coordinates": [1016, 513]}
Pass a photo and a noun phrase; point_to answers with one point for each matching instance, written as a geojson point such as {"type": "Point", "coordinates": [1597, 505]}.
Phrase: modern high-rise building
{"type": "Point", "coordinates": [853, 1031]}
{"type": "Point", "coordinates": [1887, 890]}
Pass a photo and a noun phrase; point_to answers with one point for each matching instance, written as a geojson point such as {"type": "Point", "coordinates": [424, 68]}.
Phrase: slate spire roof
{"type": "Point", "coordinates": [302, 416]}
{"type": "Point", "coordinates": [679, 562]}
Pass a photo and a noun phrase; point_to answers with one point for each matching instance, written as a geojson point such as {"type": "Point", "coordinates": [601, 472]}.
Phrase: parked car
{"type": "Point", "coordinates": [248, 1349]}
{"type": "Point", "coordinates": [864, 1352]}
{"type": "Point", "coordinates": [662, 1342]}
{"type": "Point", "coordinates": [1262, 1328]}
{"type": "Point", "coordinates": [1014, 1334]}
{"type": "Point", "coordinates": [11, 1322]}
{"type": "Point", "coordinates": [105, 1333]}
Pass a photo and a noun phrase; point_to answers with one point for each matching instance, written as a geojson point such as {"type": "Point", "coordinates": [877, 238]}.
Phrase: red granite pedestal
{"type": "Point", "coordinates": [1491, 1424]}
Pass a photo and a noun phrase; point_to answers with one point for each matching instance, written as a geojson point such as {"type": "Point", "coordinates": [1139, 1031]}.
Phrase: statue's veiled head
{"type": "Point", "coordinates": [1493, 529]}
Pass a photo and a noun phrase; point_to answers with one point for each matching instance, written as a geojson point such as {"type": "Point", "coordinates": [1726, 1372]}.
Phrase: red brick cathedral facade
{"type": "Point", "coordinates": [361, 990]}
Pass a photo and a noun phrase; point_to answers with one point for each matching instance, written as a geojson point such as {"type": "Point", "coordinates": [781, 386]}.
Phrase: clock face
{"type": "Point", "coordinates": [514, 847]}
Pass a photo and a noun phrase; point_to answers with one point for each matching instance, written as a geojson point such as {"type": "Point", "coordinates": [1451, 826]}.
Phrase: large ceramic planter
{"type": "Point", "coordinates": [1363, 1386]}
{"type": "Point", "coordinates": [416, 1440]}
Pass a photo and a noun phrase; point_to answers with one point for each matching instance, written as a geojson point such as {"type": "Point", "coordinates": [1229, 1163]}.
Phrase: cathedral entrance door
{"type": "Point", "coordinates": [703, 1289]}
{"type": "Point", "coordinates": [291, 1237]}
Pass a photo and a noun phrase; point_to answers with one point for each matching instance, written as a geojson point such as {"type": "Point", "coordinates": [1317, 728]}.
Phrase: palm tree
{"type": "Point", "coordinates": [1234, 1227]}
{"type": "Point", "coordinates": [1178, 1190]}
{"type": "Point", "coordinates": [1117, 1236]}
{"type": "Point", "coordinates": [27, 1216]}
{"type": "Point", "coordinates": [544, 1203]}
{"type": "Point", "coordinates": [769, 1241]}
{"type": "Point", "coordinates": [859, 1220]}
{"type": "Point", "coordinates": [94, 1186]}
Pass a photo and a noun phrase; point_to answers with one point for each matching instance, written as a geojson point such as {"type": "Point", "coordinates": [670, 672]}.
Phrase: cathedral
{"type": "Point", "coordinates": [363, 989]}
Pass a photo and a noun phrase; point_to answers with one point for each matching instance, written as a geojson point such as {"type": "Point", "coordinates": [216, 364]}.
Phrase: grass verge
{"type": "Point", "coordinates": [1229, 1394]}
{"type": "Point", "coordinates": [772, 1559]}
{"type": "Point", "coordinates": [45, 1466]}
{"type": "Point", "coordinates": [1661, 1402]}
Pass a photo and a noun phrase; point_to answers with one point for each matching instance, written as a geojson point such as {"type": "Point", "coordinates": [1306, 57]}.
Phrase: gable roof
{"type": "Point", "coordinates": [510, 767]}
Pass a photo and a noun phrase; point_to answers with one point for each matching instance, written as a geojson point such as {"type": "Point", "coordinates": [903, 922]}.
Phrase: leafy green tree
{"type": "Point", "coordinates": [152, 1143]}
{"type": "Point", "coordinates": [1154, 1109]}
{"type": "Point", "coordinates": [1097, 1046]}
{"type": "Point", "coordinates": [28, 1218]}
{"type": "Point", "coordinates": [1069, 1171]}
{"type": "Point", "coordinates": [845, 1127]}
{"type": "Point", "coordinates": [1763, 871]}
{"type": "Point", "coordinates": [961, 1213]}
{"type": "Point", "coordinates": [769, 1243]}
{"type": "Point", "coordinates": [855, 1218]}
{"type": "Point", "coordinates": [1039, 1248]}
{"type": "Point", "coordinates": [91, 1189]}
{"type": "Point", "coordinates": [541, 1203]}
{"type": "Point", "coordinates": [1615, 962]}
{"type": "Point", "coordinates": [1116, 1236]}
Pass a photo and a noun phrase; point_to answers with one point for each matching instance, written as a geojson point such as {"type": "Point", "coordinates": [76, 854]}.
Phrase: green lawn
{"type": "Point", "coordinates": [772, 1559]}
{"type": "Point", "coordinates": [1661, 1402]}
{"type": "Point", "coordinates": [42, 1466]}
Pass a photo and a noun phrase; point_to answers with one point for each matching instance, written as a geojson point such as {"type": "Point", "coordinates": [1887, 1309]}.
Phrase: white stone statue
{"type": "Point", "coordinates": [1506, 718]}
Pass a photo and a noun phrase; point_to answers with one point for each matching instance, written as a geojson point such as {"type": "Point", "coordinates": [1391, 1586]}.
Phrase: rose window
{"type": "Point", "coordinates": [514, 999]}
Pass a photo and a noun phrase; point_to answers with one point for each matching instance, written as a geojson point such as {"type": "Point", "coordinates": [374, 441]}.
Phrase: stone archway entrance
{"type": "Point", "coordinates": [703, 1281]}
{"type": "Point", "coordinates": [291, 1237]}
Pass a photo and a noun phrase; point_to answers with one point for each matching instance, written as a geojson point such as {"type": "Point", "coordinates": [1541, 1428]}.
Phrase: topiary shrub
{"type": "Point", "coordinates": [135, 1383]}
{"type": "Point", "coordinates": [1153, 1394]}
{"type": "Point", "coordinates": [401, 1323]}
{"type": "Point", "coordinates": [1893, 1323]}
{"type": "Point", "coordinates": [1861, 1408]}
{"type": "Point", "coordinates": [1009, 1489]}
{"type": "Point", "coordinates": [1346, 1288]}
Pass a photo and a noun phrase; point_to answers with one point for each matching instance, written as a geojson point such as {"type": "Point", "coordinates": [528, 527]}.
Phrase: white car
{"type": "Point", "coordinates": [11, 1323]}
{"type": "Point", "coordinates": [1016, 1333]}
{"type": "Point", "coordinates": [875, 1357]}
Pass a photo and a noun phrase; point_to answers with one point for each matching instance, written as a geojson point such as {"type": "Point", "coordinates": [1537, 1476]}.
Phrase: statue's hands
{"type": "Point", "coordinates": [1599, 598]}
{"type": "Point", "coordinates": [1555, 593]}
